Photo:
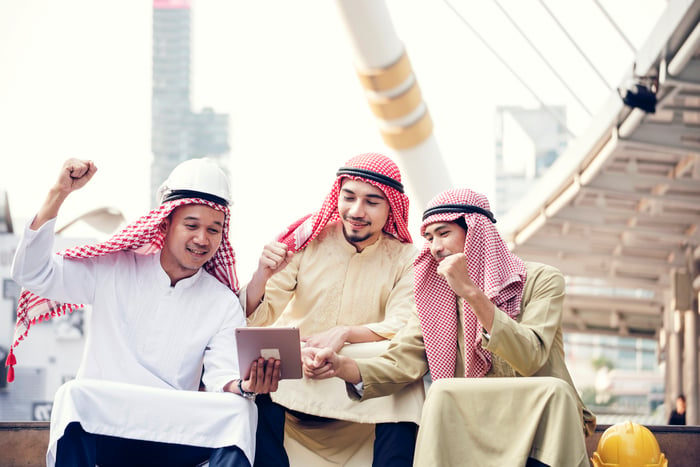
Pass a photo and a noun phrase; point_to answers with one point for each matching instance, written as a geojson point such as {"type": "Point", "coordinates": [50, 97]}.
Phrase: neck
{"type": "Point", "coordinates": [175, 271]}
{"type": "Point", "coordinates": [362, 244]}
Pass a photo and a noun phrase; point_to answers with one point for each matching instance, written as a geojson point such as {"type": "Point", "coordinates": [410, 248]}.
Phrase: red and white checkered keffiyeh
{"type": "Point", "coordinates": [298, 235]}
{"type": "Point", "coordinates": [144, 237]}
{"type": "Point", "coordinates": [491, 266]}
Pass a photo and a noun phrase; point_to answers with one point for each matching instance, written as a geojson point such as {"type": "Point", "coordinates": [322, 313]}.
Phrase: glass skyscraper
{"type": "Point", "coordinates": [178, 133]}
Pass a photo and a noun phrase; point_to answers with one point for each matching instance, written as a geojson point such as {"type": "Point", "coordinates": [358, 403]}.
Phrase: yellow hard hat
{"type": "Point", "coordinates": [628, 444]}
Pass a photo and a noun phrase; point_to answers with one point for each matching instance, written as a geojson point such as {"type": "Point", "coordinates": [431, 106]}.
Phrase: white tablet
{"type": "Point", "coordinates": [269, 342]}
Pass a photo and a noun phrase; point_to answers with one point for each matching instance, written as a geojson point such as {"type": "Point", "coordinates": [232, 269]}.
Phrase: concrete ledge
{"type": "Point", "coordinates": [680, 444]}
{"type": "Point", "coordinates": [24, 443]}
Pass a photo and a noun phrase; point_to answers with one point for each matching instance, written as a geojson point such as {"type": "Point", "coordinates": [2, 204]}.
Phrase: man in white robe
{"type": "Point", "coordinates": [164, 314]}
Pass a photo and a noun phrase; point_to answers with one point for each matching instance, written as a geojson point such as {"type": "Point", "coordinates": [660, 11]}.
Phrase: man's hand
{"type": "Point", "coordinates": [275, 257]}
{"type": "Point", "coordinates": [74, 174]}
{"type": "Point", "coordinates": [334, 338]}
{"type": "Point", "coordinates": [325, 363]}
{"type": "Point", "coordinates": [264, 376]}
{"type": "Point", "coordinates": [318, 363]}
{"type": "Point", "coordinates": [454, 269]}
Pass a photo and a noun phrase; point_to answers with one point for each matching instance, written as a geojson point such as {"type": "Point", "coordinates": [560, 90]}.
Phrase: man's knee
{"type": "Point", "coordinates": [559, 391]}
{"type": "Point", "coordinates": [230, 456]}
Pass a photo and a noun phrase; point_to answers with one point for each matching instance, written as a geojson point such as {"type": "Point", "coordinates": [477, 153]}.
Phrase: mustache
{"type": "Point", "coordinates": [355, 219]}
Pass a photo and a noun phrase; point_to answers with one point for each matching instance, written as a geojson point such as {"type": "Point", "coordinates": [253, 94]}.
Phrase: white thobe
{"type": "Point", "coordinates": [145, 346]}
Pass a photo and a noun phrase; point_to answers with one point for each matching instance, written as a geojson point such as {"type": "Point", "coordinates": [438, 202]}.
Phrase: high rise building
{"type": "Point", "coordinates": [178, 133]}
{"type": "Point", "coordinates": [528, 141]}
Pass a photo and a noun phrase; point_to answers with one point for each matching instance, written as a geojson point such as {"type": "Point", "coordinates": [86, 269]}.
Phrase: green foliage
{"type": "Point", "coordinates": [602, 362]}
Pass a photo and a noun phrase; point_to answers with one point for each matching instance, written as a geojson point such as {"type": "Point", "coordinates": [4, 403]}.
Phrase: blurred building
{"type": "Point", "coordinates": [52, 355]}
{"type": "Point", "coordinates": [178, 133]}
{"type": "Point", "coordinates": [48, 358]}
{"type": "Point", "coordinates": [528, 141]}
{"type": "Point", "coordinates": [5, 218]}
{"type": "Point", "coordinates": [615, 374]}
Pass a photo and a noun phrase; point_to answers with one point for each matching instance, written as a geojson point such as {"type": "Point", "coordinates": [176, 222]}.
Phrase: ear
{"type": "Point", "coordinates": [163, 226]}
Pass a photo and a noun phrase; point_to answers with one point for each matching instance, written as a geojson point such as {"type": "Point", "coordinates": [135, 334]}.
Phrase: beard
{"type": "Point", "coordinates": [355, 238]}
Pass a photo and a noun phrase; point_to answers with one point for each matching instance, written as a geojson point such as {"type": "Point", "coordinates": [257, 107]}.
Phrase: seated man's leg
{"type": "Point", "coordinates": [113, 451]}
{"type": "Point", "coordinates": [230, 456]}
{"type": "Point", "coordinates": [559, 439]}
{"type": "Point", "coordinates": [76, 447]}
{"type": "Point", "coordinates": [394, 444]}
{"type": "Point", "coordinates": [538, 416]}
{"type": "Point", "coordinates": [269, 437]}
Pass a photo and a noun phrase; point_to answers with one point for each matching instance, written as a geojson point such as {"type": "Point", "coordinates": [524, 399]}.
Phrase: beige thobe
{"type": "Point", "coordinates": [329, 284]}
{"type": "Point", "coordinates": [509, 411]}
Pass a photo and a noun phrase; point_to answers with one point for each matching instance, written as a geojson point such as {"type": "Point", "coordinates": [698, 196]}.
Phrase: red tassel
{"type": "Point", "coordinates": [11, 359]}
{"type": "Point", "coordinates": [10, 363]}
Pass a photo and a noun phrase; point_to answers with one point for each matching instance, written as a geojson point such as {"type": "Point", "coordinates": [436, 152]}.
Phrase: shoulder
{"type": "Point", "coordinates": [121, 258]}
{"type": "Point", "coordinates": [404, 252]}
{"type": "Point", "coordinates": [540, 275]}
{"type": "Point", "coordinates": [537, 269]}
{"type": "Point", "coordinates": [215, 295]}
{"type": "Point", "coordinates": [213, 285]}
{"type": "Point", "coordinates": [328, 237]}
{"type": "Point", "coordinates": [331, 231]}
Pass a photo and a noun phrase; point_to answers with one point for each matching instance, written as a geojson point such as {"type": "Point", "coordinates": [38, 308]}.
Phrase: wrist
{"type": "Point", "coordinates": [346, 333]}
{"type": "Point", "coordinates": [246, 394]}
{"type": "Point", "coordinates": [348, 370]}
{"type": "Point", "coordinates": [473, 295]}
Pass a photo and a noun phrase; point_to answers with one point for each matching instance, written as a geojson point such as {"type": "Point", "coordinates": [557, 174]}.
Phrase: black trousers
{"type": "Point", "coordinates": [394, 443]}
{"type": "Point", "coordinates": [78, 448]}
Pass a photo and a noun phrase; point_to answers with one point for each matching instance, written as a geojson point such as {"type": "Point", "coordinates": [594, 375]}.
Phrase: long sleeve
{"type": "Point", "coordinates": [526, 343]}
{"type": "Point", "coordinates": [279, 290]}
{"type": "Point", "coordinates": [335, 285]}
{"type": "Point", "coordinates": [36, 268]}
{"type": "Point", "coordinates": [330, 284]}
{"type": "Point", "coordinates": [403, 363]}
{"type": "Point", "coordinates": [221, 356]}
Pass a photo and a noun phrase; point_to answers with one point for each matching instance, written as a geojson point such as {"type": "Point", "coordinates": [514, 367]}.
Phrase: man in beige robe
{"type": "Point", "coordinates": [488, 328]}
{"type": "Point", "coordinates": [344, 277]}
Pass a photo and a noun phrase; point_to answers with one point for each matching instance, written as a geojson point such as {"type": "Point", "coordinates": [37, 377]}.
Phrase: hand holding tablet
{"type": "Point", "coordinates": [279, 343]}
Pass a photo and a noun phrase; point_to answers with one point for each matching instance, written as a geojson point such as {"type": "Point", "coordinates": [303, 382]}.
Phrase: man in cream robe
{"type": "Point", "coordinates": [488, 329]}
{"type": "Point", "coordinates": [344, 277]}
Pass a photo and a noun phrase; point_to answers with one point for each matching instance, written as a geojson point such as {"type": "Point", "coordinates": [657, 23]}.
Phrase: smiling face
{"type": "Point", "coordinates": [193, 233]}
{"type": "Point", "coordinates": [364, 211]}
{"type": "Point", "coordinates": [445, 239]}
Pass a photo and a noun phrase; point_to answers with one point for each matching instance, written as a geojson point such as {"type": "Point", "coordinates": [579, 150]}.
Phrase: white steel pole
{"type": "Point", "coordinates": [394, 97]}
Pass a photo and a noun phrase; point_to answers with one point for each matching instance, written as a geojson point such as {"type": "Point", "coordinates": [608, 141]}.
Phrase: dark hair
{"type": "Point", "coordinates": [460, 221]}
{"type": "Point", "coordinates": [681, 397]}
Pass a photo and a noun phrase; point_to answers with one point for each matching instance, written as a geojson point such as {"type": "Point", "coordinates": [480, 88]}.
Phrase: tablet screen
{"type": "Point", "coordinates": [269, 342]}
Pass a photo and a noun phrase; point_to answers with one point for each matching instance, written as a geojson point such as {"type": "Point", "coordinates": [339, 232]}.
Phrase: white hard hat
{"type": "Point", "coordinates": [196, 178]}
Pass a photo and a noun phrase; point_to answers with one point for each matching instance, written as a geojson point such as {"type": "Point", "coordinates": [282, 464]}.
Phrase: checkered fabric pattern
{"type": "Point", "coordinates": [492, 267]}
{"type": "Point", "coordinates": [298, 235]}
{"type": "Point", "coordinates": [144, 237]}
